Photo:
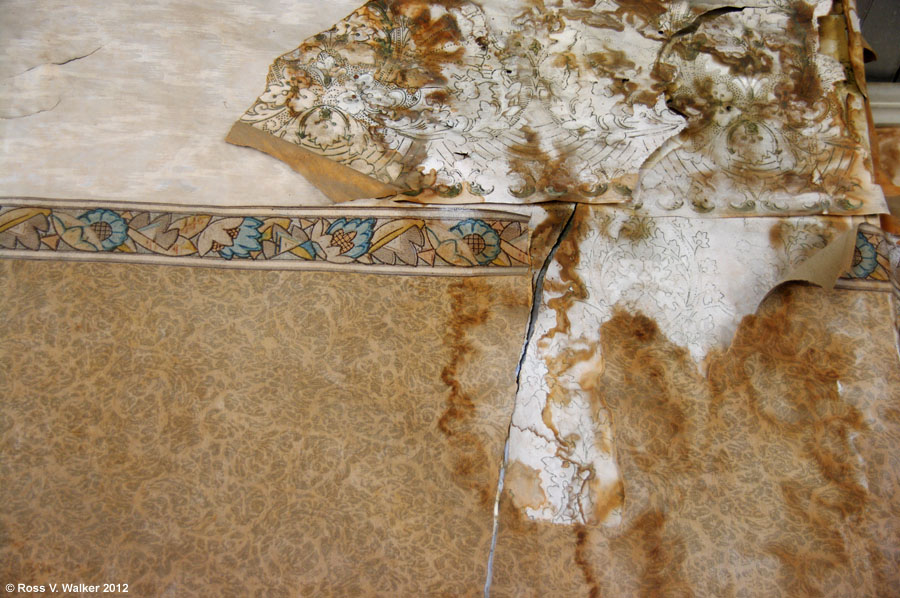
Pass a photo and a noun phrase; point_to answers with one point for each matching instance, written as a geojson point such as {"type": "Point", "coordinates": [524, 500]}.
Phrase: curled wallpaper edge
{"type": "Point", "coordinates": [340, 183]}
{"type": "Point", "coordinates": [824, 267]}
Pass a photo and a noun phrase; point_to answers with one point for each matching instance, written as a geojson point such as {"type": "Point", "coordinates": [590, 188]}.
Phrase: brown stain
{"type": "Point", "coordinates": [751, 62]}
{"type": "Point", "coordinates": [798, 93]}
{"type": "Point", "coordinates": [416, 63]}
{"type": "Point", "coordinates": [888, 142]}
{"type": "Point", "coordinates": [606, 498]}
{"type": "Point", "coordinates": [697, 104]}
{"type": "Point", "coordinates": [584, 564]}
{"type": "Point", "coordinates": [439, 96]}
{"type": "Point", "coordinates": [547, 231]}
{"type": "Point", "coordinates": [559, 394]}
{"type": "Point", "coordinates": [783, 371]}
{"type": "Point", "coordinates": [563, 361]}
{"type": "Point", "coordinates": [299, 79]}
{"type": "Point", "coordinates": [541, 170]}
{"type": "Point", "coordinates": [524, 486]}
{"type": "Point", "coordinates": [652, 369]}
{"type": "Point", "coordinates": [514, 519]}
{"type": "Point", "coordinates": [593, 18]}
{"type": "Point", "coordinates": [648, 11]}
{"type": "Point", "coordinates": [645, 14]}
{"type": "Point", "coordinates": [615, 65]}
{"type": "Point", "coordinates": [762, 487]}
{"type": "Point", "coordinates": [471, 300]}
{"type": "Point", "coordinates": [801, 89]}
{"type": "Point", "coordinates": [795, 50]}
{"type": "Point", "coordinates": [658, 556]}
{"type": "Point", "coordinates": [572, 287]}
{"type": "Point", "coordinates": [610, 62]}
{"type": "Point", "coordinates": [776, 235]}
{"type": "Point", "coordinates": [809, 362]}
{"type": "Point", "coordinates": [637, 228]}
{"type": "Point", "coordinates": [566, 60]}
{"type": "Point", "coordinates": [435, 43]}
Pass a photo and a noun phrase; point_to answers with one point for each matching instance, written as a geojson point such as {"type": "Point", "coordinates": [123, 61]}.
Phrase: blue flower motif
{"type": "Point", "coordinates": [110, 228]}
{"type": "Point", "coordinates": [483, 241]}
{"type": "Point", "coordinates": [353, 237]}
{"type": "Point", "coordinates": [244, 240]}
{"type": "Point", "coordinates": [230, 237]}
{"type": "Point", "coordinates": [865, 258]}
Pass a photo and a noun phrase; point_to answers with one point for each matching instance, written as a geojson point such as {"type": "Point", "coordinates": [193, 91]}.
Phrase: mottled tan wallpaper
{"type": "Point", "coordinates": [196, 432]}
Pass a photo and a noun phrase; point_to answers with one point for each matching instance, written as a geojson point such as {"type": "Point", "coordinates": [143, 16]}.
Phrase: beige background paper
{"type": "Point", "coordinates": [131, 102]}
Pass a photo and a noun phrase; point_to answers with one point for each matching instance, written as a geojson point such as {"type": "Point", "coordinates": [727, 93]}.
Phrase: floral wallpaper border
{"type": "Point", "coordinates": [876, 267]}
{"type": "Point", "coordinates": [413, 240]}
{"type": "Point", "coordinates": [876, 260]}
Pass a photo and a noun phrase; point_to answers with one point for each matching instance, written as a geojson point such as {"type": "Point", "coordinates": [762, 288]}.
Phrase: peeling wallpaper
{"type": "Point", "coordinates": [725, 110]}
{"type": "Point", "coordinates": [772, 475]}
{"type": "Point", "coordinates": [692, 276]}
{"type": "Point", "coordinates": [656, 353]}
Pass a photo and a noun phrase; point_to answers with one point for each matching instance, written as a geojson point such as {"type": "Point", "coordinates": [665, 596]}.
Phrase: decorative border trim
{"type": "Point", "coordinates": [399, 241]}
{"type": "Point", "coordinates": [876, 261]}
{"type": "Point", "coordinates": [876, 267]}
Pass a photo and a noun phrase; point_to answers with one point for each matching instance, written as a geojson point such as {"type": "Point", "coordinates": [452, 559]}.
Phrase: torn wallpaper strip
{"type": "Point", "coordinates": [719, 109]}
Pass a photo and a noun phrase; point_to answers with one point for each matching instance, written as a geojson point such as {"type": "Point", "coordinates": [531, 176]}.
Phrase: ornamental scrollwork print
{"type": "Point", "coordinates": [661, 104]}
{"type": "Point", "coordinates": [773, 125]}
{"type": "Point", "coordinates": [504, 102]}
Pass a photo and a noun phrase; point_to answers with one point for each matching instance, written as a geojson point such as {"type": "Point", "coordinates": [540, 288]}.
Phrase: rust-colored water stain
{"type": "Point", "coordinates": [573, 289]}
{"type": "Point", "coordinates": [801, 88]}
{"type": "Point", "coordinates": [470, 458]}
{"type": "Point", "coordinates": [524, 486]}
{"type": "Point", "coordinates": [776, 234]}
{"type": "Point", "coordinates": [570, 284]}
{"type": "Point", "coordinates": [658, 556]}
{"type": "Point", "coordinates": [438, 96]}
{"type": "Point", "coordinates": [800, 100]}
{"type": "Point", "coordinates": [783, 371]}
{"type": "Point", "coordinates": [648, 11]}
{"type": "Point", "coordinates": [547, 232]}
{"type": "Point", "coordinates": [652, 372]}
{"type": "Point", "coordinates": [637, 228]}
{"type": "Point", "coordinates": [614, 65]}
{"type": "Point", "coordinates": [739, 64]}
{"type": "Point", "coordinates": [756, 458]}
{"type": "Point", "coordinates": [540, 170]}
{"type": "Point", "coordinates": [436, 43]}
{"type": "Point", "coordinates": [888, 144]}
{"type": "Point", "coordinates": [644, 13]}
{"type": "Point", "coordinates": [583, 562]}
{"type": "Point", "coordinates": [471, 300]}
{"type": "Point", "coordinates": [433, 42]}
{"type": "Point", "coordinates": [593, 18]}
{"type": "Point", "coordinates": [606, 498]}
